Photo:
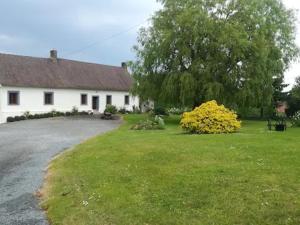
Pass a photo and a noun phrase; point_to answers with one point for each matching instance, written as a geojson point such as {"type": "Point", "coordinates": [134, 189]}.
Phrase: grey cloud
{"type": "Point", "coordinates": [32, 27]}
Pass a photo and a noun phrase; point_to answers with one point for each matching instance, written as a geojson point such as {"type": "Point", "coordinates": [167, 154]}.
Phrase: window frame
{"type": "Point", "coordinates": [127, 100]}
{"type": "Point", "coordinates": [86, 99]}
{"type": "Point", "coordinates": [46, 93]}
{"type": "Point", "coordinates": [17, 99]}
{"type": "Point", "coordinates": [108, 97]}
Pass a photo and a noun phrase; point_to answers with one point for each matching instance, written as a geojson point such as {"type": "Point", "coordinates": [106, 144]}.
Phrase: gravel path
{"type": "Point", "coordinates": [26, 148]}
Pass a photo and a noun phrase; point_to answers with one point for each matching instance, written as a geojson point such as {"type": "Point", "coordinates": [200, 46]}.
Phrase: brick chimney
{"type": "Point", "coordinates": [124, 65]}
{"type": "Point", "coordinates": [53, 55]}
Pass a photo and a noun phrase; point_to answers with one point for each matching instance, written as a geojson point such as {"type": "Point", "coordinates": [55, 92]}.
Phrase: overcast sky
{"type": "Point", "coordinates": [98, 31]}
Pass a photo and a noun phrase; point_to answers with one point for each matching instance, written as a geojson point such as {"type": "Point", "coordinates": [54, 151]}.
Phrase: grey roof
{"type": "Point", "coordinates": [25, 71]}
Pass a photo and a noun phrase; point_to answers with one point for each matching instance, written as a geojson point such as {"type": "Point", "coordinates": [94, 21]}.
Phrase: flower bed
{"type": "Point", "coordinates": [28, 116]}
{"type": "Point", "coordinates": [150, 124]}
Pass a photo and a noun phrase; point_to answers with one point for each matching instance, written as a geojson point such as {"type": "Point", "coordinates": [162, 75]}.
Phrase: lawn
{"type": "Point", "coordinates": [167, 177]}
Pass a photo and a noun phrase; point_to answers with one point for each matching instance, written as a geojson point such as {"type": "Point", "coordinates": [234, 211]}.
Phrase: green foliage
{"type": "Point", "coordinates": [111, 109]}
{"type": "Point", "coordinates": [123, 111]}
{"type": "Point", "coordinates": [160, 110]}
{"type": "Point", "coordinates": [278, 89]}
{"type": "Point", "coordinates": [160, 121]}
{"type": "Point", "coordinates": [53, 113]}
{"type": "Point", "coordinates": [296, 89]}
{"type": "Point", "coordinates": [255, 113]}
{"type": "Point", "coordinates": [75, 110]}
{"type": "Point", "coordinates": [10, 119]}
{"type": "Point", "coordinates": [230, 51]}
{"type": "Point", "coordinates": [296, 119]}
{"type": "Point", "coordinates": [150, 124]}
{"type": "Point", "coordinates": [26, 114]}
{"type": "Point", "coordinates": [136, 110]}
{"type": "Point", "coordinates": [293, 99]}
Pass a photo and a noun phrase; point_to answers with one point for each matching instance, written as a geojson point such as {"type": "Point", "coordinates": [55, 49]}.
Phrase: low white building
{"type": "Point", "coordinates": [40, 85]}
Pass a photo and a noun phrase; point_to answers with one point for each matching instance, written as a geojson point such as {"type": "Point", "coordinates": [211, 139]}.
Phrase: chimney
{"type": "Point", "coordinates": [53, 55]}
{"type": "Point", "coordinates": [124, 65]}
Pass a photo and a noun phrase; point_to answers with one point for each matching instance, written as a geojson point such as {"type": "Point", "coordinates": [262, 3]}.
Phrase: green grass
{"type": "Point", "coordinates": [168, 177]}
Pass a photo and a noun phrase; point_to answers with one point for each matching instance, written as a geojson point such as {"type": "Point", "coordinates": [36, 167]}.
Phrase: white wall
{"type": "Point", "coordinates": [32, 100]}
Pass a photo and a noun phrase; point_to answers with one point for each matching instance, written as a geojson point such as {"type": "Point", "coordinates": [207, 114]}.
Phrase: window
{"type": "Point", "coordinates": [127, 101]}
{"type": "Point", "coordinates": [83, 99]}
{"type": "Point", "coordinates": [13, 98]}
{"type": "Point", "coordinates": [108, 100]}
{"type": "Point", "coordinates": [48, 98]}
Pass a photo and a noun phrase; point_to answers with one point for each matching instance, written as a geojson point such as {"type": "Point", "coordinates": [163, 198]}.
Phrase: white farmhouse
{"type": "Point", "coordinates": [39, 85]}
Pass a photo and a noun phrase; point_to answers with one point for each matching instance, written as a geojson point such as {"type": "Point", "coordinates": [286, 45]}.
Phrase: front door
{"type": "Point", "coordinates": [95, 103]}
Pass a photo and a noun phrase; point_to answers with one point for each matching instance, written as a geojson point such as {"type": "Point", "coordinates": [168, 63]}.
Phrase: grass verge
{"type": "Point", "coordinates": [167, 177]}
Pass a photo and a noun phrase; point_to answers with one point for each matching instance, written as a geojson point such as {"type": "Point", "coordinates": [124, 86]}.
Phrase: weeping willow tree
{"type": "Point", "coordinates": [226, 50]}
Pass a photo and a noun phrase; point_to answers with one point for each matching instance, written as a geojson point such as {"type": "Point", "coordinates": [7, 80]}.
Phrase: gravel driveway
{"type": "Point", "coordinates": [26, 148]}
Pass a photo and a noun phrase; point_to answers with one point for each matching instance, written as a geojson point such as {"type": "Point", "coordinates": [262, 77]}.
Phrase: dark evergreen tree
{"type": "Point", "coordinates": [293, 98]}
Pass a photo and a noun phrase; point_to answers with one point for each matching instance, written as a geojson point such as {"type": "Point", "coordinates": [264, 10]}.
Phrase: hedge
{"type": "Point", "coordinates": [43, 115]}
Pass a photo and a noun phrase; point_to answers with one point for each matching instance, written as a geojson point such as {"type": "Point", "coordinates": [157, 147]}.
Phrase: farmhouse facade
{"type": "Point", "coordinates": [40, 85]}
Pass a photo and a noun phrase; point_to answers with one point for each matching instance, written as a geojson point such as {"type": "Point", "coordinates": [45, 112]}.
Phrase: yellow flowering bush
{"type": "Point", "coordinates": [210, 118]}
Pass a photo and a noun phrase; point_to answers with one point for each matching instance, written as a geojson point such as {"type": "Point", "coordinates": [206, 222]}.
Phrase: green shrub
{"type": "Point", "coordinates": [160, 110]}
{"type": "Point", "coordinates": [111, 109]}
{"type": "Point", "coordinates": [150, 124]}
{"type": "Point", "coordinates": [59, 114]}
{"type": "Point", "coordinates": [123, 111]}
{"type": "Point", "coordinates": [296, 119]}
{"type": "Point", "coordinates": [36, 116]}
{"type": "Point", "coordinates": [83, 113]}
{"type": "Point", "coordinates": [17, 118]}
{"type": "Point", "coordinates": [160, 121]}
{"type": "Point", "coordinates": [210, 118]}
{"type": "Point", "coordinates": [74, 110]}
{"type": "Point", "coordinates": [51, 114]}
{"type": "Point", "coordinates": [54, 113]}
{"type": "Point", "coordinates": [27, 115]}
{"type": "Point", "coordinates": [31, 117]}
{"type": "Point", "coordinates": [46, 115]}
{"type": "Point", "coordinates": [10, 119]}
{"type": "Point", "coordinates": [22, 118]}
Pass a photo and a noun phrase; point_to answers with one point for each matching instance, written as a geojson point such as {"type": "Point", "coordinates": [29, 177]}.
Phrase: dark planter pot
{"type": "Point", "coordinates": [280, 127]}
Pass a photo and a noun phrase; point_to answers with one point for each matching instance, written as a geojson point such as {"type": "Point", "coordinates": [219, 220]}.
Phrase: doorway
{"type": "Point", "coordinates": [95, 103]}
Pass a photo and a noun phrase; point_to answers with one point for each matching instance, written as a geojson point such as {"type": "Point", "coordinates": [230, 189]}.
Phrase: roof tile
{"type": "Point", "coordinates": [25, 71]}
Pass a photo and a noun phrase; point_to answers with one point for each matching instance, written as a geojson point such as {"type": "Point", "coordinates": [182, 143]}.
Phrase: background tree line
{"type": "Point", "coordinates": [232, 51]}
{"type": "Point", "coordinates": [293, 98]}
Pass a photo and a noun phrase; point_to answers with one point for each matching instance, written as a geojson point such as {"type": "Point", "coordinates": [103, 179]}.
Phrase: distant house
{"type": "Point", "coordinates": [40, 85]}
{"type": "Point", "coordinates": [281, 107]}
